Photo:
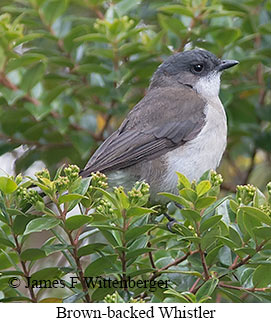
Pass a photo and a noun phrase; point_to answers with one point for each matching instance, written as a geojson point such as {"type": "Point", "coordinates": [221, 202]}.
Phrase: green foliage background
{"type": "Point", "coordinates": [69, 73]}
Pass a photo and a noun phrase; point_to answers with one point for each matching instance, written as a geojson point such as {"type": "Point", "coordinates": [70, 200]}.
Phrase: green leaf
{"type": "Point", "coordinates": [46, 273]}
{"type": "Point", "coordinates": [92, 68]}
{"type": "Point", "coordinates": [250, 223]}
{"type": "Point", "coordinates": [32, 76]}
{"type": "Point", "coordinates": [228, 242]}
{"type": "Point", "coordinates": [91, 248]}
{"type": "Point", "coordinates": [92, 38]}
{"type": "Point", "coordinates": [100, 266]}
{"type": "Point", "coordinates": [233, 205]}
{"type": "Point", "coordinates": [204, 202]}
{"type": "Point", "coordinates": [258, 214]}
{"type": "Point", "coordinates": [32, 254]}
{"type": "Point", "coordinates": [191, 214]}
{"type": "Point", "coordinates": [177, 9]}
{"type": "Point", "coordinates": [139, 211]}
{"type": "Point", "coordinates": [50, 249]}
{"type": "Point", "coordinates": [40, 224]}
{"type": "Point", "coordinates": [259, 198]}
{"type": "Point", "coordinates": [212, 255]}
{"type": "Point", "coordinates": [135, 253]}
{"type": "Point", "coordinates": [76, 221]}
{"type": "Point", "coordinates": [209, 223]}
{"type": "Point", "coordinates": [133, 233]}
{"type": "Point", "coordinates": [7, 185]}
{"type": "Point", "coordinates": [124, 6]}
{"type": "Point", "coordinates": [6, 243]}
{"type": "Point", "coordinates": [207, 288]}
{"type": "Point", "coordinates": [52, 9]}
{"type": "Point", "coordinates": [203, 187]}
{"type": "Point", "coordinates": [263, 232]}
{"type": "Point", "coordinates": [261, 277]}
{"type": "Point", "coordinates": [177, 199]}
{"type": "Point", "coordinates": [70, 198]}
{"type": "Point", "coordinates": [189, 194]}
{"type": "Point", "coordinates": [235, 237]}
{"type": "Point", "coordinates": [183, 180]}
{"type": "Point", "coordinates": [179, 296]}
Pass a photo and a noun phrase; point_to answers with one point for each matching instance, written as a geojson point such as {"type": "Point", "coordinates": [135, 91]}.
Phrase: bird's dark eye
{"type": "Point", "coordinates": [198, 68]}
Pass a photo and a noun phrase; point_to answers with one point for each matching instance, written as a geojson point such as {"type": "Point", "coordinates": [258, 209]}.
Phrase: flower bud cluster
{"type": "Point", "coordinates": [105, 207]}
{"type": "Point", "coordinates": [72, 172]}
{"type": "Point", "coordinates": [245, 193]}
{"type": "Point", "coordinates": [216, 179]}
{"type": "Point", "coordinates": [98, 180]}
{"type": "Point", "coordinates": [139, 190]}
{"type": "Point", "coordinates": [44, 173]}
{"type": "Point", "coordinates": [29, 196]}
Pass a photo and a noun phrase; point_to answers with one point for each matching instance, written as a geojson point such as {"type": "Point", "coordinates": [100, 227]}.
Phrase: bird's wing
{"type": "Point", "coordinates": [162, 121]}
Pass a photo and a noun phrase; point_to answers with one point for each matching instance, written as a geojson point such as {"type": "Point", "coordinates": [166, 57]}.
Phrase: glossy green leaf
{"type": "Point", "coordinates": [178, 199]}
{"type": "Point", "coordinates": [100, 266]}
{"type": "Point", "coordinates": [40, 224]}
{"type": "Point", "coordinates": [7, 185]}
{"type": "Point", "coordinates": [32, 254]}
{"type": "Point", "coordinates": [204, 202]}
{"type": "Point", "coordinates": [191, 214]}
{"type": "Point", "coordinates": [261, 276]}
{"type": "Point", "coordinates": [183, 180]}
{"type": "Point", "coordinates": [209, 223]}
{"type": "Point", "coordinates": [207, 288]}
{"type": "Point", "coordinates": [203, 187]}
{"type": "Point", "coordinates": [70, 197]}
{"type": "Point", "coordinates": [258, 214]}
{"type": "Point", "coordinates": [91, 248]}
{"type": "Point", "coordinates": [76, 221]}
{"type": "Point", "coordinates": [188, 194]}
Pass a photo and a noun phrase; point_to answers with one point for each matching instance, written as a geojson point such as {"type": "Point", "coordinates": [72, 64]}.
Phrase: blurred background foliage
{"type": "Point", "coordinates": [70, 70]}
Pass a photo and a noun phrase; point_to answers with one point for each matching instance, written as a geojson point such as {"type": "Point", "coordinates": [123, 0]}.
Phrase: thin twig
{"type": "Point", "coordinates": [221, 284]}
{"type": "Point", "coordinates": [174, 263]}
{"type": "Point", "coordinates": [247, 258]}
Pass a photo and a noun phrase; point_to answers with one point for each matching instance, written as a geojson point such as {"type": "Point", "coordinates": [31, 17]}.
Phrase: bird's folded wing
{"type": "Point", "coordinates": [129, 147]}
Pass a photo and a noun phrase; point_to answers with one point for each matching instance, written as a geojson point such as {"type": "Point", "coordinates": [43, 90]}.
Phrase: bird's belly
{"type": "Point", "coordinates": [198, 155]}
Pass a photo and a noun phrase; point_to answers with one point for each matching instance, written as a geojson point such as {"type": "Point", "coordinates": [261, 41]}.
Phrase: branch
{"type": "Point", "coordinates": [6, 82]}
{"type": "Point", "coordinates": [174, 263]}
{"type": "Point", "coordinates": [204, 264]}
{"type": "Point", "coordinates": [247, 258]}
{"type": "Point", "coordinates": [221, 284]}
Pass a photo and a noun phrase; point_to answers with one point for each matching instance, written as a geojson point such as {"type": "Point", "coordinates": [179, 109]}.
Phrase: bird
{"type": "Point", "coordinates": [179, 125]}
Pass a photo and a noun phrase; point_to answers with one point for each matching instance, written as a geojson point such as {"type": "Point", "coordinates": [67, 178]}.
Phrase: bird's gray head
{"type": "Point", "coordinates": [196, 68]}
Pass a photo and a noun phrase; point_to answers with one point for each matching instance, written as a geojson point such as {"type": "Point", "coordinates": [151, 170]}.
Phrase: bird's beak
{"type": "Point", "coordinates": [224, 64]}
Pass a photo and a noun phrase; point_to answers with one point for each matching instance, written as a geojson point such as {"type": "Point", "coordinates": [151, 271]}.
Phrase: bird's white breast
{"type": "Point", "coordinates": [200, 154]}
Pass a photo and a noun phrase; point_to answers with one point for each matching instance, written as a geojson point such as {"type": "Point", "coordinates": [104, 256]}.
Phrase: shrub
{"type": "Point", "coordinates": [108, 245]}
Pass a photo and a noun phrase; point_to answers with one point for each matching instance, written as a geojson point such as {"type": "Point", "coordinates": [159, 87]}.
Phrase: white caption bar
{"type": "Point", "coordinates": [168, 312]}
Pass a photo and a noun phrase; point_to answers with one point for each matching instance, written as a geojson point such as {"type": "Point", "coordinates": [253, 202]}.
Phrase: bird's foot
{"type": "Point", "coordinates": [179, 206]}
{"type": "Point", "coordinates": [171, 222]}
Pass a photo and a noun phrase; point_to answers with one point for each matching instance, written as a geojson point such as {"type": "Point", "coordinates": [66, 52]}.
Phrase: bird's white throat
{"type": "Point", "coordinates": [208, 86]}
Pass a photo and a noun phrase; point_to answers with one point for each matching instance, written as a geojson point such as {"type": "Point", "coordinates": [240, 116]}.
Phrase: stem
{"type": "Point", "coordinates": [123, 253]}
{"type": "Point", "coordinates": [194, 286]}
{"type": "Point", "coordinates": [204, 264]}
{"type": "Point", "coordinates": [79, 267]}
{"type": "Point", "coordinates": [6, 82]}
{"type": "Point", "coordinates": [221, 284]}
{"type": "Point", "coordinates": [247, 258]}
{"type": "Point", "coordinates": [174, 263]}
{"type": "Point", "coordinates": [24, 268]}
